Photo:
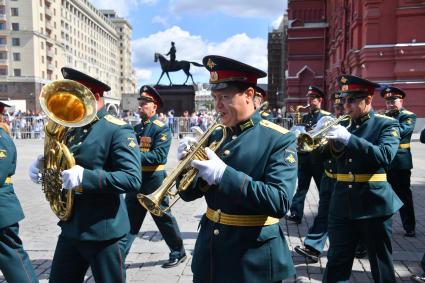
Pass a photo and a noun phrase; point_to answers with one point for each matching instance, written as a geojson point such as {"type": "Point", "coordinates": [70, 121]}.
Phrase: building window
{"type": "Point", "coordinates": [3, 71]}
{"type": "Point", "coordinates": [16, 56]}
{"type": "Point", "coordinates": [16, 41]}
{"type": "Point", "coordinates": [42, 45]}
{"type": "Point", "coordinates": [17, 72]}
{"type": "Point", "coordinates": [2, 26]}
{"type": "Point", "coordinates": [14, 12]}
{"type": "Point", "coordinates": [42, 59]}
{"type": "Point", "coordinates": [3, 87]}
{"type": "Point", "coordinates": [3, 40]}
{"type": "Point", "coordinates": [15, 26]}
{"type": "Point", "coordinates": [3, 55]}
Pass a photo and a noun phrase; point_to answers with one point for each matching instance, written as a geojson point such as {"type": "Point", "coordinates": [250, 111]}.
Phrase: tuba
{"type": "Point", "coordinates": [67, 104]}
{"type": "Point", "coordinates": [307, 142]}
{"type": "Point", "coordinates": [152, 202]}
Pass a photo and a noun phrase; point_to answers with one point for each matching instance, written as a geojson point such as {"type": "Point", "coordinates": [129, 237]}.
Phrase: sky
{"type": "Point", "coordinates": [237, 29]}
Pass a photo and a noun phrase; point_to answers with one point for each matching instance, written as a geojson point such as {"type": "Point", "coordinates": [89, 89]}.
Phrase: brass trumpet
{"type": "Point", "coordinates": [152, 202]}
{"type": "Point", "coordinates": [307, 142]}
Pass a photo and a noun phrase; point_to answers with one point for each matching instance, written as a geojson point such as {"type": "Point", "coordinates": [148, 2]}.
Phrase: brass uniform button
{"type": "Point", "coordinates": [234, 137]}
{"type": "Point", "coordinates": [226, 152]}
{"type": "Point", "coordinates": [216, 232]}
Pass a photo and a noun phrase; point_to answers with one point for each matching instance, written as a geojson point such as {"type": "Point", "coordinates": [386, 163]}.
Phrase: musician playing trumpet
{"type": "Point", "coordinates": [247, 183]}
{"type": "Point", "coordinates": [363, 202]}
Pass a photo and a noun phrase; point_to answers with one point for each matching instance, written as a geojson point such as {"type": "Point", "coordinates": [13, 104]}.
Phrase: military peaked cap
{"type": "Point", "coordinates": [2, 104]}
{"type": "Point", "coordinates": [225, 70]}
{"type": "Point", "coordinates": [93, 84]}
{"type": "Point", "coordinates": [355, 86]}
{"type": "Point", "coordinates": [314, 91]}
{"type": "Point", "coordinates": [391, 92]}
{"type": "Point", "coordinates": [149, 93]}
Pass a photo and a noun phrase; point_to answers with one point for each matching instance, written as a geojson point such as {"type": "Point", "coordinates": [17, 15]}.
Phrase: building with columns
{"type": "Point", "coordinates": [38, 37]}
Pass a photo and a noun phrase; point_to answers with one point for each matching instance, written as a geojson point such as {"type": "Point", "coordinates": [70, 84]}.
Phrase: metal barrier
{"type": "Point", "coordinates": [32, 127]}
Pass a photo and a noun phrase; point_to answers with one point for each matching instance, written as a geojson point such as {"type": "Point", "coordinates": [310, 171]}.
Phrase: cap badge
{"type": "Point", "coordinates": [388, 89]}
{"type": "Point", "coordinates": [213, 77]}
{"type": "Point", "coordinates": [211, 64]}
{"type": "Point", "coordinates": [344, 80]}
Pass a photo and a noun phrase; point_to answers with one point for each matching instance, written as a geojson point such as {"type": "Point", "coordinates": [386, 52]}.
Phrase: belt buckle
{"type": "Point", "coordinates": [216, 215]}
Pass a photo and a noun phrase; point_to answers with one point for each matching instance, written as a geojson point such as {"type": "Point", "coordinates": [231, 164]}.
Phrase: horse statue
{"type": "Point", "coordinates": [174, 67]}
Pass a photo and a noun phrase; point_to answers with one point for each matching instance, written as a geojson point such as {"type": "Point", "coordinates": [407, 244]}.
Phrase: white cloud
{"type": "Point", "coordinates": [236, 8]}
{"type": "Point", "coordinates": [143, 74]}
{"type": "Point", "coordinates": [161, 20]}
{"type": "Point", "coordinates": [252, 51]}
{"type": "Point", "coordinates": [276, 23]}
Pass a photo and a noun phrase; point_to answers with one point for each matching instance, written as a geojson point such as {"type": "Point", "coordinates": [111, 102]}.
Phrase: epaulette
{"type": "Point", "coordinates": [264, 114]}
{"type": "Point", "coordinates": [383, 116]}
{"type": "Point", "coordinates": [159, 123]}
{"type": "Point", "coordinates": [273, 126]}
{"type": "Point", "coordinates": [114, 120]}
{"type": "Point", "coordinates": [325, 112]}
{"type": "Point", "coordinates": [407, 112]}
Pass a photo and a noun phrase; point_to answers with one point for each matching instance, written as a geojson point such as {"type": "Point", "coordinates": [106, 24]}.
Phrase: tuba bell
{"type": "Point", "coordinates": [152, 202]}
{"type": "Point", "coordinates": [307, 142]}
{"type": "Point", "coordinates": [67, 104]}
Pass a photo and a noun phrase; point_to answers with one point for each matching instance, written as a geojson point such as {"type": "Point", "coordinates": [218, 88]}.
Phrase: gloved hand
{"type": "Point", "coordinates": [210, 170]}
{"type": "Point", "coordinates": [73, 177]}
{"type": "Point", "coordinates": [339, 133]}
{"type": "Point", "coordinates": [323, 121]}
{"type": "Point", "coordinates": [298, 129]}
{"type": "Point", "coordinates": [184, 146]}
{"type": "Point", "coordinates": [35, 168]}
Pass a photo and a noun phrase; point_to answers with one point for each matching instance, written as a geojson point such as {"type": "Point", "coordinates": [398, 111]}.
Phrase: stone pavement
{"type": "Point", "coordinates": [39, 230]}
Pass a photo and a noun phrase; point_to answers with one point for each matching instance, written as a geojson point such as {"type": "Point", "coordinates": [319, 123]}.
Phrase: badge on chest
{"type": "Point", "coordinates": [145, 144]}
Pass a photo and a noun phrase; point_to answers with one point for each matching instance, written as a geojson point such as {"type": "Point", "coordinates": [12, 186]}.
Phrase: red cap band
{"type": "Point", "coordinates": [357, 88]}
{"type": "Point", "coordinates": [149, 96]}
{"type": "Point", "coordinates": [226, 75]}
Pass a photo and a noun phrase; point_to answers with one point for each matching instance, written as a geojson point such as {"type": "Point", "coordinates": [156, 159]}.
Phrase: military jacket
{"type": "Point", "coordinates": [154, 139]}
{"type": "Point", "coordinates": [309, 120]}
{"type": "Point", "coordinates": [10, 208]}
{"type": "Point", "coordinates": [107, 150]}
{"type": "Point", "coordinates": [403, 158]}
{"type": "Point", "coordinates": [259, 179]}
{"type": "Point", "coordinates": [266, 116]}
{"type": "Point", "coordinates": [371, 148]}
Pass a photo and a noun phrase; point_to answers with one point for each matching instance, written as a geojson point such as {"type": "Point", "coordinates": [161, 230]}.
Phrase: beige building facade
{"type": "Point", "coordinates": [38, 37]}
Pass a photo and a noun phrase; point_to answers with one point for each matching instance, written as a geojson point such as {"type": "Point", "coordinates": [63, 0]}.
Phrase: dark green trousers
{"type": "Point", "coordinates": [166, 224]}
{"type": "Point", "coordinates": [344, 235]}
{"type": "Point", "coordinates": [72, 259]}
{"type": "Point", "coordinates": [14, 261]}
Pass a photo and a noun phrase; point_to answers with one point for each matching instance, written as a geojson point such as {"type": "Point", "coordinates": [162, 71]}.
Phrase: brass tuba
{"type": "Point", "coordinates": [309, 141]}
{"type": "Point", "coordinates": [152, 202]}
{"type": "Point", "coordinates": [67, 104]}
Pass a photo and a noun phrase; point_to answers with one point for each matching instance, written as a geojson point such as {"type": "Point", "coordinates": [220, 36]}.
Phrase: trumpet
{"type": "Point", "coordinates": [307, 142]}
{"type": "Point", "coordinates": [152, 202]}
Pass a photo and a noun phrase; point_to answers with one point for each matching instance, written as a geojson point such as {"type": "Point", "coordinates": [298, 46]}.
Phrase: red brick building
{"type": "Point", "coordinates": [383, 41]}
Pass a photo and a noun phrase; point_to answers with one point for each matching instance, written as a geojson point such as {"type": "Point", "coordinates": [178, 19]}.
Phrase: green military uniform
{"type": "Point", "coordinates": [94, 236]}
{"type": "Point", "coordinates": [307, 168]}
{"type": "Point", "coordinates": [154, 139]}
{"type": "Point", "coordinates": [14, 261]}
{"type": "Point", "coordinates": [400, 169]}
{"type": "Point", "coordinates": [257, 185]}
{"type": "Point", "coordinates": [363, 201]}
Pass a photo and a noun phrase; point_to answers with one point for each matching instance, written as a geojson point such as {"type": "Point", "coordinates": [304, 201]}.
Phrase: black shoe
{"type": "Point", "coordinates": [293, 218]}
{"type": "Point", "coordinates": [174, 261]}
{"type": "Point", "coordinates": [417, 278]}
{"type": "Point", "coordinates": [361, 251]}
{"type": "Point", "coordinates": [308, 253]}
{"type": "Point", "coordinates": [410, 233]}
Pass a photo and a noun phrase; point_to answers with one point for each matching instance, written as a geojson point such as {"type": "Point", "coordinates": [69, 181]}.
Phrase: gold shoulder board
{"type": "Point", "coordinates": [158, 123]}
{"type": "Point", "coordinates": [383, 116]}
{"type": "Point", "coordinates": [273, 126]}
{"type": "Point", "coordinates": [114, 120]}
{"type": "Point", "coordinates": [325, 112]}
{"type": "Point", "coordinates": [408, 112]}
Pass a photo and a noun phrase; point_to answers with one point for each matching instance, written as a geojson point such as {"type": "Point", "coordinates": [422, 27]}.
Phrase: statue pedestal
{"type": "Point", "coordinates": [180, 98]}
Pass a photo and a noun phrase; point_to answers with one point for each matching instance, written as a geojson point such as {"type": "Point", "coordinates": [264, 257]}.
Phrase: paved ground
{"type": "Point", "coordinates": [39, 231]}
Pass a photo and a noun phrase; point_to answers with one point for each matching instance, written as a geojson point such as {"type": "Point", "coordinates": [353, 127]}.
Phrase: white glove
{"type": "Point", "coordinates": [184, 146]}
{"type": "Point", "coordinates": [210, 170]}
{"type": "Point", "coordinates": [339, 133]}
{"type": "Point", "coordinates": [323, 121]}
{"type": "Point", "coordinates": [298, 129]}
{"type": "Point", "coordinates": [73, 177]}
{"type": "Point", "coordinates": [35, 168]}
